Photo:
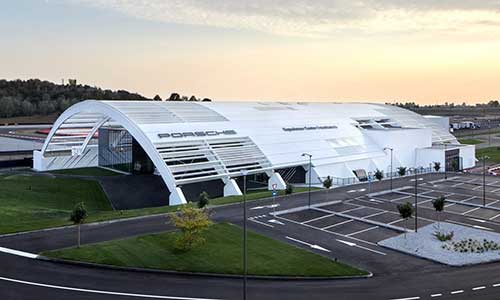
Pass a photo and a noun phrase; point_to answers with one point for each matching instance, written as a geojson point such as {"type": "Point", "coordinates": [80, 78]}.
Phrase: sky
{"type": "Point", "coordinates": [305, 50]}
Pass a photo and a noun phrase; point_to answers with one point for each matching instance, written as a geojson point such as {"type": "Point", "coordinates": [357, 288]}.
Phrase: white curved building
{"type": "Point", "coordinates": [205, 145]}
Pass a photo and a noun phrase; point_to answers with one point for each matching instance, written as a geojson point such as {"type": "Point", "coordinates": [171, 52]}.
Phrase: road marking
{"type": "Point", "coordinates": [375, 214]}
{"type": "Point", "coordinates": [436, 295]}
{"type": "Point", "coordinates": [494, 217]}
{"type": "Point", "coordinates": [261, 223]}
{"type": "Point", "coordinates": [469, 225]}
{"type": "Point", "coordinates": [276, 222]}
{"type": "Point", "coordinates": [343, 222]}
{"type": "Point", "coordinates": [376, 201]}
{"type": "Point", "coordinates": [471, 210]}
{"type": "Point", "coordinates": [478, 220]}
{"type": "Point", "coordinates": [410, 298]}
{"type": "Point", "coordinates": [479, 288]}
{"type": "Point", "coordinates": [350, 244]}
{"type": "Point", "coordinates": [18, 253]}
{"type": "Point", "coordinates": [361, 231]}
{"type": "Point", "coordinates": [257, 207]}
{"type": "Point", "coordinates": [58, 287]}
{"type": "Point", "coordinates": [318, 218]}
{"type": "Point", "coordinates": [496, 285]}
{"type": "Point", "coordinates": [457, 292]}
{"type": "Point", "coordinates": [313, 246]}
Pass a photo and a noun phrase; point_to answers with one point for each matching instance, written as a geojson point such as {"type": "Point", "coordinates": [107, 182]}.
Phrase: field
{"type": "Point", "coordinates": [470, 141]}
{"type": "Point", "coordinates": [221, 254]}
{"type": "Point", "coordinates": [492, 152]}
{"type": "Point", "coordinates": [86, 172]}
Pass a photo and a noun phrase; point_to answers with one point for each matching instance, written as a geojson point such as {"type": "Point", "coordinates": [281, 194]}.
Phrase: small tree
{"type": "Point", "coordinates": [327, 184]}
{"type": "Point", "coordinates": [438, 204]}
{"type": "Point", "coordinates": [379, 175]}
{"type": "Point", "coordinates": [402, 171]}
{"type": "Point", "coordinates": [203, 199]}
{"type": "Point", "coordinates": [289, 189]}
{"type": "Point", "coordinates": [405, 211]}
{"type": "Point", "coordinates": [454, 165]}
{"type": "Point", "coordinates": [191, 221]}
{"type": "Point", "coordinates": [78, 216]}
{"type": "Point", "coordinates": [437, 166]}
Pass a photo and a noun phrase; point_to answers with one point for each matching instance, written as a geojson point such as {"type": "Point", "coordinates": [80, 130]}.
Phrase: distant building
{"type": "Point", "coordinates": [196, 146]}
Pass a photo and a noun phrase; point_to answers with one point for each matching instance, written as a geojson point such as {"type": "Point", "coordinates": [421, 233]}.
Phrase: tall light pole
{"type": "Point", "coordinates": [392, 149]}
{"type": "Point", "coordinates": [244, 173]}
{"type": "Point", "coordinates": [484, 158]}
{"type": "Point", "coordinates": [445, 164]}
{"type": "Point", "coordinates": [310, 169]}
{"type": "Point", "coordinates": [416, 199]}
{"type": "Point", "coordinates": [489, 132]}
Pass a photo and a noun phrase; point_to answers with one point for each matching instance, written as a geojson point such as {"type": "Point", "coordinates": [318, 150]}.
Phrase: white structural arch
{"type": "Point", "coordinates": [198, 142]}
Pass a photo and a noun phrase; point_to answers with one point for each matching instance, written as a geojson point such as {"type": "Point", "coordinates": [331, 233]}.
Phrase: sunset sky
{"type": "Point", "coordinates": [313, 50]}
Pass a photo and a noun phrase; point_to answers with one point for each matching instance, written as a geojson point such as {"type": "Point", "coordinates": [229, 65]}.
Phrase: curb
{"type": "Point", "coordinates": [199, 274]}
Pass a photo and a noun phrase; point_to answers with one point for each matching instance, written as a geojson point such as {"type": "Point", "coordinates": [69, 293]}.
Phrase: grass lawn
{"type": "Point", "coordinates": [220, 254]}
{"type": "Point", "coordinates": [86, 172]}
{"type": "Point", "coordinates": [30, 202]}
{"type": "Point", "coordinates": [254, 195]}
{"type": "Point", "coordinates": [492, 152]}
{"type": "Point", "coordinates": [470, 141]}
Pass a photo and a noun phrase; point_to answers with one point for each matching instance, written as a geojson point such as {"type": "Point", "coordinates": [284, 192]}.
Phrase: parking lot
{"type": "Point", "coordinates": [370, 218]}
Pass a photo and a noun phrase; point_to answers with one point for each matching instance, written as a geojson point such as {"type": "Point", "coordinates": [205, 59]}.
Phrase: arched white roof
{"type": "Point", "coordinates": [197, 141]}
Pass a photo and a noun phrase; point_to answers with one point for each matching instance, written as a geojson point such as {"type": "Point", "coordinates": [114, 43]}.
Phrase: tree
{"type": "Point", "coordinates": [191, 222]}
{"type": "Point", "coordinates": [454, 165]}
{"type": "Point", "coordinates": [203, 199]}
{"type": "Point", "coordinates": [405, 211]}
{"type": "Point", "coordinates": [438, 204]}
{"type": "Point", "coordinates": [193, 98]}
{"type": "Point", "coordinates": [157, 98]}
{"type": "Point", "coordinates": [437, 166]}
{"type": "Point", "coordinates": [379, 175]}
{"type": "Point", "coordinates": [327, 184]}
{"type": "Point", "coordinates": [174, 97]}
{"type": "Point", "coordinates": [402, 171]}
{"type": "Point", "coordinates": [288, 189]}
{"type": "Point", "coordinates": [78, 216]}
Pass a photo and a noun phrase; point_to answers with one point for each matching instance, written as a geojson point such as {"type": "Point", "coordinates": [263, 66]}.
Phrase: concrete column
{"type": "Point", "coordinates": [177, 197]}
{"type": "Point", "coordinates": [275, 178]}
{"type": "Point", "coordinates": [231, 188]}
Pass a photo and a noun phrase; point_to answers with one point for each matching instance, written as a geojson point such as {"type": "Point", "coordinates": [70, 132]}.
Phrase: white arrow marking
{"type": "Point", "coordinates": [276, 222]}
{"type": "Point", "coordinates": [361, 190]}
{"type": "Point", "coordinates": [360, 247]}
{"type": "Point", "coordinates": [347, 243]}
{"type": "Point", "coordinates": [477, 220]}
{"type": "Point", "coordinates": [307, 244]}
{"type": "Point", "coordinates": [257, 207]}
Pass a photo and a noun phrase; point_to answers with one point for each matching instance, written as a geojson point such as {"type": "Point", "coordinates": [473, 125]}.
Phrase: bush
{"type": "Point", "coordinates": [402, 171]}
{"type": "Point", "coordinates": [443, 237]}
{"type": "Point", "coordinates": [379, 174]}
{"type": "Point", "coordinates": [203, 199]}
{"type": "Point", "coordinates": [289, 189]}
{"type": "Point", "coordinates": [191, 222]}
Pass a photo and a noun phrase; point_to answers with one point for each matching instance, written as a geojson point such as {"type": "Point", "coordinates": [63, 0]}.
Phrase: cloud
{"type": "Point", "coordinates": [319, 18]}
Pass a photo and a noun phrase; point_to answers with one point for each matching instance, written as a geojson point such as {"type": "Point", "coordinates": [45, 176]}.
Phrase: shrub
{"type": "Point", "coordinates": [402, 171]}
{"type": "Point", "coordinates": [443, 237]}
{"type": "Point", "coordinates": [379, 174]}
{"type": "Point", "coordinates": [191, 222]}
{"type": "Point", "coordinates": [289, 189]}
{"type": "Point", "coordinates": [203, 199]}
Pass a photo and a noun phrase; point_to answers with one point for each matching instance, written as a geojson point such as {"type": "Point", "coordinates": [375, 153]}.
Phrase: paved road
{"type": "Point", "coordinates": [395, 275]}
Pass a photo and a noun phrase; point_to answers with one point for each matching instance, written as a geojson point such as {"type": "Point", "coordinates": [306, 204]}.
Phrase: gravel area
{"type": "Point", "coordinates": [424, 244]}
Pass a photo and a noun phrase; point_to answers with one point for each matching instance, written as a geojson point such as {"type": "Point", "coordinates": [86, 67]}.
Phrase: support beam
{"type": "Point", "coordinates": [276, 178]}
{"type": "Point", "coordinates": [231, 188]}
{"type": "Point", "coordinates": [177, 197]}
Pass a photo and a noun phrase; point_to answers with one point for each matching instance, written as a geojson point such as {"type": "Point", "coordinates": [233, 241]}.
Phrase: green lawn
{"type": "Point", "coordinates": [254, 195]}
{"type": "Point", "coordinates": [220, 254]}
{"type": "Point", "coordinates": [86, 172]}
{"type": "Point", "coordinates": [492, 152]}
{"type": "Point", "coordinates": [30, 202]}
{"type": "Point", "coordinates": [470, 141]}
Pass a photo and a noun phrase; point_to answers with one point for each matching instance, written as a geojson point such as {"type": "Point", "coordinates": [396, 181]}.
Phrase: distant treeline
{"type": "Point", "coordinates": [450, 109]}
{"type": "Point", "coordinates": [20, 98]}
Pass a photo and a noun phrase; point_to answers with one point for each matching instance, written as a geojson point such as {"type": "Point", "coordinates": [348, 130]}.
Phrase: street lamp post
{"type": "Point", "coordinates": [445, 164]}
{"type": "Point", "coordinates": [484, 158]}
{"type": "Point", "coordinates": [392, 149]}
{"type": "Point", "coordinates": [416, 200]}
{"type": "Point", "coordinates": [244, 173]}
{"type": "Point", "coordinates": [310, 169]}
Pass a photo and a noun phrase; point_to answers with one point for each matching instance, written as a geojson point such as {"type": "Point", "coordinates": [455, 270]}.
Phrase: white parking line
{"type": "Point", "coordinates": [261, 223]}
{"type": "Point", "coordinates": [471, 210]}
{"type": "Point", "coordinates": [436, 295]}
{"type": "Point", "coordinates": [318, 218]}
{"type": "Point", "coordinates": [457, 292]}
{"type": "Point", "coordinates": [50, 286]}
{"type": "Point", "coordinates": [337, 224]}
{"type": "Point", "coordinates": [494, 217]}
{"type": "Point", "coordinates": [479, 288]}
{"type": "Point", "coordinates": [361, 231]}
{"type": "Point", "coordinates": [410, 298]}
{"type": "Point", "coordinates": [495, 285]}
{"type": "Point", "coordinates": [375, 214]}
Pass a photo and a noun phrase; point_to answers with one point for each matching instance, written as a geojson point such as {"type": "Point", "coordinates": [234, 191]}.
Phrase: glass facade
{"type": "Point", "coordinates": [120, 151]}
